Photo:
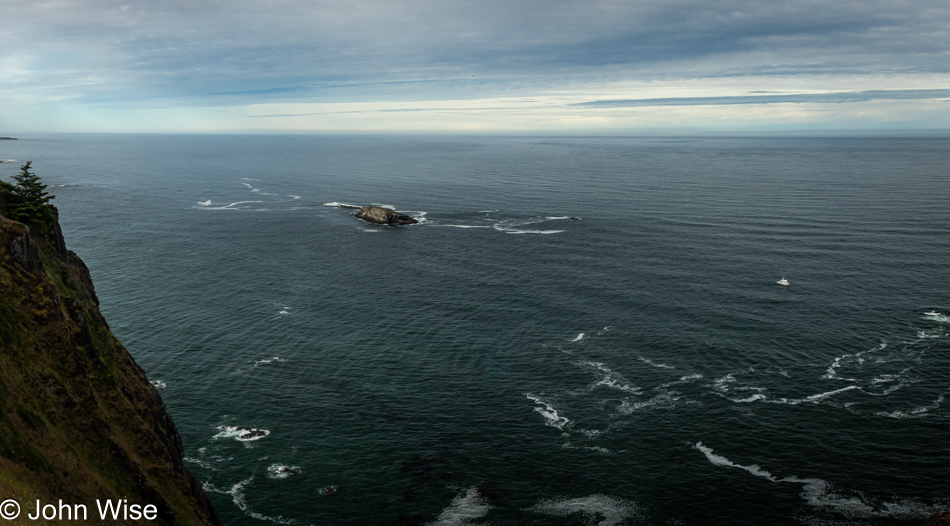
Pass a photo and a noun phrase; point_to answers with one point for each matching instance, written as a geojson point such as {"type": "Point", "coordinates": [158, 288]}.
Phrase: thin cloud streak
{"type": "Point", "coordinates": [794, 98]}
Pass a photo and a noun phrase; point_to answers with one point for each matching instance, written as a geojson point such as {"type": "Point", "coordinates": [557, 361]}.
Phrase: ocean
{"type": "Point", "coordinates": [579, 331]}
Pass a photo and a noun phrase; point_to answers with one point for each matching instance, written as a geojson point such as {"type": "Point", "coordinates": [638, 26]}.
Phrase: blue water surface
{"type": "Point", "coordinates": [579, 331]}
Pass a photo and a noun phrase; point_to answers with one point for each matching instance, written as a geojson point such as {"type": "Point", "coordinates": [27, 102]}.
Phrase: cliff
{"type": "Point", "coordinates": [79, 420]}
{"type": "Point", "coordinates": [384, 216]}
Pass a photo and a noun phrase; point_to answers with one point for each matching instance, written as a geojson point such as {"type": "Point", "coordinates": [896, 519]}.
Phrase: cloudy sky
{"type": "Point", "coordinates": [510, 66]}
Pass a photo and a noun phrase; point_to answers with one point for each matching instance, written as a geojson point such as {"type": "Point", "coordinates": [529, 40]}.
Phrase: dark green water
{"type": "Point", "coordinates": [503, 364]}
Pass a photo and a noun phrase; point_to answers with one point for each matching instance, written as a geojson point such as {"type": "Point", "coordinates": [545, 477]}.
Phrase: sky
{"type": "Point", "coordinates": [492, 66]}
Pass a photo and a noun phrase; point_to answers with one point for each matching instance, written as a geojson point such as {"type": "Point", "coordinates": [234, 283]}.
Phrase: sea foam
{"type": "Point", "coordinates": [817, 492]}
{"type": "Point", "coordinates": [241, 434]}
{"type": "Point", "coordinates": [237, 493]}
{"type": "Point", "coordinates": [464, 508]}
{"type": "Point", "coordinates": [550, 414]}
{"type": "Point", "coordinates": [610, 510]}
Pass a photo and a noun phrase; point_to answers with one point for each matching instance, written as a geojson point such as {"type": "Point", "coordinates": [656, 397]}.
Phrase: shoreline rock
{"type": "Point", "coordinates": [384, 216]}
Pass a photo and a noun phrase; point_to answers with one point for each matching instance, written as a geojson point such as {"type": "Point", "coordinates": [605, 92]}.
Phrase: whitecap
{"type": "Point", "coordinates": [753, 398]}
{"type": "Point", "coordinates": [550, 414]}
{"type": "Point", "coordinates": [619, 385]}
{"type": "Point", "coordinates": [886, 378]}
{"type": "Point", "coordinates": [818, 493]}
{"type": "Point", "coordinates": [205, 203]}
{"type": "Point", "coordinates": [722, 384]}
{"type": "Point", "coordinates": [720, 460]}
{"type": "Point", "coordinates": [265, 361]}
{"type": "Point", "coordinates": [816, 398]}
{"type": "Point", "coordinates": [858, 358]}
{"type": "Point", "coordinates": [918, 412]}
{"type": "Point", "coordinates": [651, 363]}
{"type": "Point", "coordinates": [466, 226]}
{"type": "Point", "coordinates": [689, 378]}
{"type": "Point", "coordinates": [160, 385]}
{"type": "Point", "coordinates": [578, 338]}
{"type": "Point", "coordinates": [936, 316]}
{"type": "Point", "coordinates": [229, 206]}
{"type": "Point", "coordinates": [612, 379]}
{"type": "Point", "coordinates": [611, 510]}
{"type": "Point", "coordinates": [464, 508]}
{"type": "Point", "coordinates": [661, 401]}
{"type": "Point", "coordinates": [542, 232]}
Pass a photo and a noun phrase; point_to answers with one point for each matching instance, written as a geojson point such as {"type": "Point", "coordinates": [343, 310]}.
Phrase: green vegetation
{"type": "Point", "coordinates": [79, 420]}
{"type": "Point", "coordinates": [28, 200]}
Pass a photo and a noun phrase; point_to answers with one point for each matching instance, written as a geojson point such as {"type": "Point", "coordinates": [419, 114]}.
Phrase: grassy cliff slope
{"type": "Point", "coordinates": [79, 420]}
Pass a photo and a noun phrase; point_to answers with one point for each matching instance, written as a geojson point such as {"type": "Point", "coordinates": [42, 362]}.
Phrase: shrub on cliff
{"type": "Point", "coordinates": [28, 199]}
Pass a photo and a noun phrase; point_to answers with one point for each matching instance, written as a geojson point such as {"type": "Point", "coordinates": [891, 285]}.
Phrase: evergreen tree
{"type": "Point", "coordinates": [30, 199]}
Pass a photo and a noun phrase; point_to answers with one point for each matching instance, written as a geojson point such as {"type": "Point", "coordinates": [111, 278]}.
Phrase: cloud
{"type": "Point", "coordinates": [179, 54]}
{"type": "Point", "coordinates": [793, 98]}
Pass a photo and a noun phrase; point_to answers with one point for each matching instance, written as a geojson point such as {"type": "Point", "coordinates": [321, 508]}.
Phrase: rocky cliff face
{"type": "Point", "coordinates": [79, 420]}
{"type": "Point", "coordinates": [384, 216]}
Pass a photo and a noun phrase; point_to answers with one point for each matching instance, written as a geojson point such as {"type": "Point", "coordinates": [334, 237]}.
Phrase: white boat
{"type": "Point", "coordinates": [932, 313]}
{"type": "Point", "coordinates": [783, 281]}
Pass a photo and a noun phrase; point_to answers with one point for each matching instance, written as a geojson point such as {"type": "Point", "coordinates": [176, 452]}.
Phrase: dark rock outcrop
{"type": "Point", "coordinates": [938, 519]}
{"type": "Point", "coordinates": [384, 216]}
{"type": "Point", "coordinates": [79, 420]}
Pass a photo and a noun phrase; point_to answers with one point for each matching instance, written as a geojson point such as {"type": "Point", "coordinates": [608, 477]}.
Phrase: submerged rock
{"type": "Point", "coordinates": [384, 216]}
